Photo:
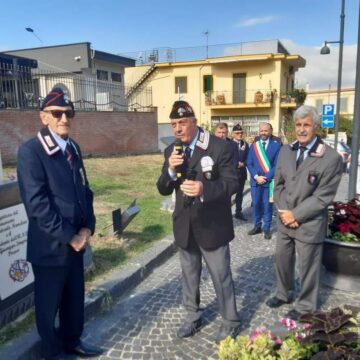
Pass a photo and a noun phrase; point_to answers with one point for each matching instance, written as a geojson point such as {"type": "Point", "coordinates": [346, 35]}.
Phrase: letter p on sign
{"type": "Point", "coordinates": [328, 109]}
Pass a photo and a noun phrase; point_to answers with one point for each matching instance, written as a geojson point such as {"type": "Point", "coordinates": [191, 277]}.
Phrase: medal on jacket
{"type": "Point", "coordinates": [206, 166]}
{"type": "Point", "coordinates": [312, 178]}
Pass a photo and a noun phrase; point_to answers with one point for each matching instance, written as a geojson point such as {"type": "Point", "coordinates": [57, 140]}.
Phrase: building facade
{"type": "Point", "coordinates": [91, 78]}
{"type": "Point", "coordinates": [249, 88]}
{"type": "Point", "coordinates": [318, 98]}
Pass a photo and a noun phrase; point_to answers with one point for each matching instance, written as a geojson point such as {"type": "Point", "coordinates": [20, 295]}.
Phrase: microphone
{"type": "Point", "coordinates": [178, 146]}
{"type": "Point", "coordinates": [190, 175]}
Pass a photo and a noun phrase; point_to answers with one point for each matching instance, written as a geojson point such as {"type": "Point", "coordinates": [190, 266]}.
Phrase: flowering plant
{"type": "Point", "coordinates": [344, 224]}
{"type": "Point", "coordinates": [264, 344]}
{"type": "Point", "coordinates": [333, 334]}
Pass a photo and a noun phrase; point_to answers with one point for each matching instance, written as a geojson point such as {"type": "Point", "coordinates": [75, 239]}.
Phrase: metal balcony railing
{"type": "Point", "coordinates": [24, 88]}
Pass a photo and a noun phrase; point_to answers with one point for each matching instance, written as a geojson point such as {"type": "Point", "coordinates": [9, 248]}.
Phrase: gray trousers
{"type": "Point", "coordinates": [309, 265]}
{"type": "Point", "coordinates": [218, 263]}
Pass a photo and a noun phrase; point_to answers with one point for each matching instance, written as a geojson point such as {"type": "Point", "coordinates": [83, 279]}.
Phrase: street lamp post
{"type": "Point", "coordinates": [326, 50]}
{"type": "Point", "coordinates": [31, 30]}
{"type": "Point", "coordinates": [356, 125]}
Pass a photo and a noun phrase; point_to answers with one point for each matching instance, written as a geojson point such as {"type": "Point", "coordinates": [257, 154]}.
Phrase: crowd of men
{"type": "Point", "coordinates": [205, 171]}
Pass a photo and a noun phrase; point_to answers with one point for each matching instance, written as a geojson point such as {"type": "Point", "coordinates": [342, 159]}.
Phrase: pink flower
{"type": "Point", "coordinates": [277, 340]}
{"type": "Point", "coordinates": [259, 331]}
{"type": "Point", "coordinates": [289, 323]}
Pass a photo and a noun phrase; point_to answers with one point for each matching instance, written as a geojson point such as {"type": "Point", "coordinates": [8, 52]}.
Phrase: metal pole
{"type": "Point", "coordinates": [356, 125]}
{"type": "Point", "coordinates": [342, 17]}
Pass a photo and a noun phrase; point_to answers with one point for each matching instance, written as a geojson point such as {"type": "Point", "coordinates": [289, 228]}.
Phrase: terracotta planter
{"type": "Point", "coordinates": [342, 265]}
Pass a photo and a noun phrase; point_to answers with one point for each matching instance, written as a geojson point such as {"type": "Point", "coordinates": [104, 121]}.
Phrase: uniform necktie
{"type": "Point", "coordinates": [187, 156]}
{"type": "Point", "coordinates": [264, 145]}
{"type": "Point", "coordinates": [300, 159]}
{"type": "Point", "coordinates": [69, 155]}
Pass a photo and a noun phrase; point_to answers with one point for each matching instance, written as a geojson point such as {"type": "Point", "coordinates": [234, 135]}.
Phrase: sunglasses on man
{"type": "Point", "coordinates": [59, 113]}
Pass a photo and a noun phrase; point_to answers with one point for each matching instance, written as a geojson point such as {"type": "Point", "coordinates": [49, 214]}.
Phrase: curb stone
{"type": "Point", "coordinates": [115, 285]}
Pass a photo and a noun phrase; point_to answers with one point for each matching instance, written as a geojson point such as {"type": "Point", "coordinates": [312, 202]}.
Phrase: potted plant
{"type": "Point", "coordinates": [299, 95]}
{"type": "Point", "coordinates": [341, 256]}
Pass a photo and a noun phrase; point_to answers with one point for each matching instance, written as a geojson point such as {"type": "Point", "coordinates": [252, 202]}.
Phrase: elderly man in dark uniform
{"type": "Point", "coordinates": [201, 172]}
{"type": "Point", "coordinates": [242, 148]}
{"type": "Point", "coordinates": [59, 205]}
{"type": "Point", "coordinates": [307, 175]}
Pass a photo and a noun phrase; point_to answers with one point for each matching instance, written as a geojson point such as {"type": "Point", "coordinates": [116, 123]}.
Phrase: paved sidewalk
{"type": "Point", "coordinates": [142, 324]}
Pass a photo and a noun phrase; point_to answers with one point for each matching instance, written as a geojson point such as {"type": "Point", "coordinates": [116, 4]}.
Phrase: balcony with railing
{"type": "Point", "coordinates": [240, 99]}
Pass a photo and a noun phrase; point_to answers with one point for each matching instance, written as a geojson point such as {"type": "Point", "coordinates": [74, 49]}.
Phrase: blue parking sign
{"type": "Point", "coordinates": [328, 118]}
{"type": "Point", "coordinates": [328, 109]}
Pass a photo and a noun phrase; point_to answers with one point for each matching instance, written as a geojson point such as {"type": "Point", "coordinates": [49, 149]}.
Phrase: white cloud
{"type": "Point", "coordinates": [255, 21]}
{"type": "Point", "coordinates": [322, 70]}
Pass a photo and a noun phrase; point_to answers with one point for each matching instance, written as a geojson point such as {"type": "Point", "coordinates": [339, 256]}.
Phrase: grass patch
{"type": "Point", "coordinates": [18, 327]}
{"type": "Point", "coordinates": [116, 182]}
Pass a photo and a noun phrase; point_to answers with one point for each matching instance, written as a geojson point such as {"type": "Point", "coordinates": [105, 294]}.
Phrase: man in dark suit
{"type": "Point", "coordinates": [242, 148]}
{"type": "Point", "coordinates": [59, 206]}
{"type": "Point", "coordinates": [202, 174]}
{"type": "Point", "coordinates": [222, 131]}
{"type": "Point", "coordinates": [307, 175]}
{"type": "Point", "coordinates": [261, 164]}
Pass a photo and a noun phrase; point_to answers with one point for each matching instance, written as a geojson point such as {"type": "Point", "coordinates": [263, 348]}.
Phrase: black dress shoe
{"type": "Point", "coordinates": [275, 302]}
{"type": "Point", "coordinates": [267, 235]}
{"type": "Point", "coordinates": [85, 350]}
{"type": "Point", "coordinates": [254, 231]}
{"type": "Point", "coordinates": [240, 217]}
{"type": "Point", "coordinates": [189, 329]}
{"type": "Point", "coordinates": [293, 314]}
{"type": "Point", "coordinates": [227, 330]}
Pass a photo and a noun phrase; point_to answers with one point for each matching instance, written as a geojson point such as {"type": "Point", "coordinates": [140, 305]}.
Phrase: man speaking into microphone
{"type": "Point", "coordinates": [202, 219]}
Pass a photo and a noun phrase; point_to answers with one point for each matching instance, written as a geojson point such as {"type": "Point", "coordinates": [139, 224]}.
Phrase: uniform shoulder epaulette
{"type": "Point", "coordinates": [48, 142]}
{"type": "Point", "coordinates": [203, 139]}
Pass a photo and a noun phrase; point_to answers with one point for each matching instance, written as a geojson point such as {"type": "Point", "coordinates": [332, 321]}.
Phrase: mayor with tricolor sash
{"type": "Point", "coordinates": [261, 164]}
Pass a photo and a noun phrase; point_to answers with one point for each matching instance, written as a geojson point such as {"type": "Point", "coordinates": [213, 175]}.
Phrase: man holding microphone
{"type": "Point", "coordinates": [204, 180]}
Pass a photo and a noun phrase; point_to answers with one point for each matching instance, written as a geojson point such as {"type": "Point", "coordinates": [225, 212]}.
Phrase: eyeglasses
{"type": "Point", "coordinates": [59, 113]}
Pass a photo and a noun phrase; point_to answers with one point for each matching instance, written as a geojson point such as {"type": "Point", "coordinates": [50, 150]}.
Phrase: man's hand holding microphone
{"type": "Point", "coordinates": [190, 187]}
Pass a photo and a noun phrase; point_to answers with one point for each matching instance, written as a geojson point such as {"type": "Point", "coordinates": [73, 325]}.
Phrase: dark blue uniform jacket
{"type": "Point", "coordinates": [58, 200]}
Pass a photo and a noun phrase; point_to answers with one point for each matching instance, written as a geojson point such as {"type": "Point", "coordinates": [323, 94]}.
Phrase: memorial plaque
{"type": "Point", "coordinates": [15, 271]}
{"type": "Point", "coordinates": [16, 277]}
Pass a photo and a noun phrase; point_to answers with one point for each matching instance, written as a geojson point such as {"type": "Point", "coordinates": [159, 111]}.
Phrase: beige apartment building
{"type": "Point", "coordinates": [253, 87]}
{"type": "Point", "coordinates": [318, 98]}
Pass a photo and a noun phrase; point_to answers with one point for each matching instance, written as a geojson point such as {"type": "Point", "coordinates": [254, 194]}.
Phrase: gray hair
{"type": "Point", "coordinates": [305, 111]}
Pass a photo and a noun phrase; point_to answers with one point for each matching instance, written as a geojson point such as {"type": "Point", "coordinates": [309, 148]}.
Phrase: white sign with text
{"type": "Point", "coordinates": [15, 271]}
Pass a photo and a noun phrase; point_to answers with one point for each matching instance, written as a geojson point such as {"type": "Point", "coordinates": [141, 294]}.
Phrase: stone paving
{"type": "Point", "coordinates": [143, 324]}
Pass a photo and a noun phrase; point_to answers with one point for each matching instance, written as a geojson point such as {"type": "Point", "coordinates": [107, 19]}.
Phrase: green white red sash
{"type": "Point", "coordinates": [264, 164]}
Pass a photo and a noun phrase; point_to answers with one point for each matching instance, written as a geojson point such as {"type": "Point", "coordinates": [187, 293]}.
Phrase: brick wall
{"type": "Point", "coordinates": [98, 133]}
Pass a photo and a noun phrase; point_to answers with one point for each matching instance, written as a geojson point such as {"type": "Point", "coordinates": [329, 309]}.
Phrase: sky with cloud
{"type": "Point", "coordinates": [125, 26]}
